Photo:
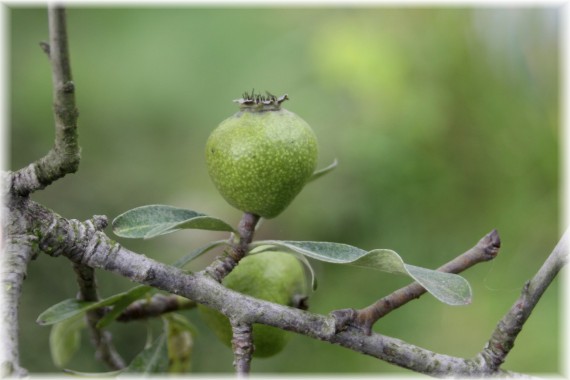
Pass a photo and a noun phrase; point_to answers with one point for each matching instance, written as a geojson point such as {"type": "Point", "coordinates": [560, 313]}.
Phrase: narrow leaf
{"type": "Point", "coordinates": [452, 290]}
{"type": "Point", "coordinates": [154, 220]}
{"type": "Point", "coordinates": [202, 222]}
{"type": "Point", "coordinates": [181, 262]}
{"type": "Point", "coordinates": [64, 310]}
{"type": "Point", "coordinates": [311, 273]}
{"type": "Point", "coordinates": [70, 308]}
{"type": "Point", "coordinates": [324, 251]}
{"type": "Point", "coordinates": [64, 340]}
{"type": "Point", "coordinates": [321, 172]}
{"type": "Point", "coordinates": [449, 288]}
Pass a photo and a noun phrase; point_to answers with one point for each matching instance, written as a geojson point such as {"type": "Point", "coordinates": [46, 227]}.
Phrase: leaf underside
{"type": "Point", "coordinates": [448, 288]}
{"type": "Point", "coordinates": [71, 308]}
{"type": "Point", "coordinates": [146, 222]}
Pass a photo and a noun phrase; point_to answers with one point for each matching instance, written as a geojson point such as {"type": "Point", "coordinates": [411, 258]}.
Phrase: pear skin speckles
{"type": "Point", "coordinates": [260, 160]}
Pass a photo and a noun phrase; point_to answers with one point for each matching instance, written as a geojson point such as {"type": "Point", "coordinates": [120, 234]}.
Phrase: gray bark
{"type": "Point", "coordinates": [29, 228]}
{"type": "Point", "coordinates": [83, 244]}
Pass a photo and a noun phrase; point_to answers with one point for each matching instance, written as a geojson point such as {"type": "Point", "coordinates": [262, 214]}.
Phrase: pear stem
{"type": "Point", "coordinates": [224, 264]}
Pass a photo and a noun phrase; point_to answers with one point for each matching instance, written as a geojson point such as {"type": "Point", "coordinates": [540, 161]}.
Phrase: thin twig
{"type": "Point", "coordinates": [93, 248]}
{"type": "Point", "coordinates": [503, 337]}
{"type": "Point", "coordinates": [156, 306]}
{"type": "Point", "coordinates": [224, 264]}
{"type": "Point", "coordinates": [486, 249]}
{"type": "Point", "coordinates": [86, 281]}
{"type": "Point", "coordinates": [101, 339]}
{"type": "Point", "coordinates": [242, 345]}
{"type": "Point", "coordinates": [45, 47]}
{"type": "Point", "coordinates": [64, 157]}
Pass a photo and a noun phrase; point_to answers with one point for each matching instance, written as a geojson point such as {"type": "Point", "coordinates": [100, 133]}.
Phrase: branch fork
{"type": "Point", "coordinates": [486, 249]}
{"type": "Point", "coordinates": [224, 264]}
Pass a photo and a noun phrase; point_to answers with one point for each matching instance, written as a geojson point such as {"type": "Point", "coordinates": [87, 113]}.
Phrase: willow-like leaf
{"type": "Point", "coordinates": [146, 222]}
{"type": "Point", "coordinates": [449, 288]}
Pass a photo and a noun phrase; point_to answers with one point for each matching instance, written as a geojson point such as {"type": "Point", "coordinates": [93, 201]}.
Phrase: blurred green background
{"type": "Point", "coordinates": [445, 122]}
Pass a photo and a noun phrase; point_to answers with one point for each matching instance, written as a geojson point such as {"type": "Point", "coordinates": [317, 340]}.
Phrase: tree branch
{"type": "Point", "coordinates": [101, 339]}
{"type": "Point", "coordinates": [156, 306]}
{"type": "Point", "coordinates": [64, 157]}
{"type": "Point", "coordinates": [85, 245]}
{"type": "Point", "coordinates": [224, 264]}
{"type": "Point", "coordinates": [486, 249]}
{"type": "Point", "coordinates": [503, 337]}
{"type": "Point", "coordinates": [242, 345]}
{"type": "Point", "coordinates": [18, 251]}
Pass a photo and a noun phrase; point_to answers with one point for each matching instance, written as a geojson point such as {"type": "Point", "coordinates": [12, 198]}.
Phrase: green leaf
{"type": "Point", "coordinates": [153, 220]}
{"type": "Point", "coordinates": [153, 359]}
{"type": "Point", "coordinates": [64, 340]}
{"type": "Point", "coordinates": [70, 308]}
{"type": "Point", "coordinates": [449, 288]}
{"type": "Point", "coordinates": [181, 262]}
{"type": "Point", "coordinates": [123, 302]}
{"type": "Point", "coordinates": [311, 273]}
{"type": "Point", "coordinates": [64, 310]}
{"type": "Point", "coordinates": [321, 172]}
{"type": "Point", "coordinates": [141, 291]}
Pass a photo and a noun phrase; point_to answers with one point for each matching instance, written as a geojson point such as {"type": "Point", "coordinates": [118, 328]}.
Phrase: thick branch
{"type": "Point", "coordinates": [87, 246]}
{"type": "Point", "coordinates": [486, 249]}
{"type": "Point", "coordinates": [18, 251]}
{"type": "Point", "coordinates": [64, 157]}
{"type": "Point", "coordinates": [503, 337]}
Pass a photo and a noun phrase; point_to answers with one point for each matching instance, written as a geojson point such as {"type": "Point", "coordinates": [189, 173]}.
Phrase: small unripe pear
{"type": "Point", "coordinates": [261, 157]}
{"type": "Point", "coordinates": [272, 276]}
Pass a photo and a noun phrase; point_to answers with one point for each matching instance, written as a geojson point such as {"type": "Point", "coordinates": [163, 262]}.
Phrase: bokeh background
{"type": "Point", "coordinates": [445, 122]}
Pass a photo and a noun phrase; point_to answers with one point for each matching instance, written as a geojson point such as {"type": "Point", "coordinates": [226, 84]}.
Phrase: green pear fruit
{"type": "Point", "coordinates": [261, 157]}
{"type": "Point", "coordinates": [272, 276]}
